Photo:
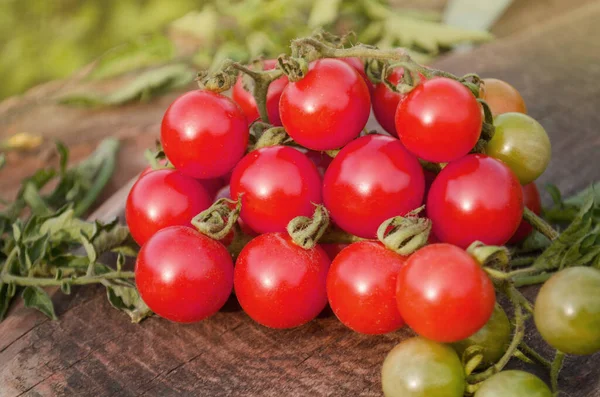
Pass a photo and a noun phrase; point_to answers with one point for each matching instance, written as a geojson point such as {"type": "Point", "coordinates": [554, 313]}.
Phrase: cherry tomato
{"type": "Point", "coordinates": [359, 65]}
{"type": "Point", "coordinates": [494, 338]}
{"type": "Point", "coordinates": [332, 250]}
{"type": "Point", "coordinates": [372, 179]}
{"type": "Point", "coordinates": [280, 284]}
{"type": "Point", "coordinates": [513, 383]}
{"type": "Point", "coordinates": [443, 294]}
{"type": "Point", "coordinates": [195, 130]}
{"type": "Point", "coordinates": [277, 184]}
{"type": "Point", "coordinates": [361, 287]}
{"type": "Point", "coordinates": [439, 120]}
{"type": "Point", "coordinates": [521, 143]}
{"type": "Point", "coordinates": [418, 367]}
{"type": "Point", "coordinates": [163, 198]}
{"type": "Point", "coordinates": [476, 198]}
{"type": "Point", "coordinates": [502, 97]}
{"type": "Point", "coordinates": [320, 159]}
{"type": "Point", "coordinates": [567, 310]}
{"type": "Point", "coordinates": [246, 100]}
{"type": "Point", "coordinates": [385, 102]}
{"type": "Point", "coordinates": [327, 108]}
{"type": "Point", "coordinates": [182, 275]}
{"type": "Point", "coordinates": [531, 199]}
{"type": "Point", "coordinates": [162, 163]}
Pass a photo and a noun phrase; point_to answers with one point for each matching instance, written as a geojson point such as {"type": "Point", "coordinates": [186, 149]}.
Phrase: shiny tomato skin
{"type": "Point", "coordinates": [443, 294]}
{"type": "Point", "coordinates": [359, 66]}
{"type": "Point", "coordinates": [439, 120]}
{"type": "Point", "coordinates": [163, 198]}
{"type": "Point", "coordinates": [328, 107]}
{"type": "Point", "coordinates": [245, 98]}
{"type": "Point", "coordinates": [513, 383]}
{"type": "Point", "coordinates": [182, 275]}
{"type": "Point", "coordinates": [361, 287]}
{"type": "Point", "coordinates": [277, 184]}
{"type": "Point", "coordinates": [385, 102]}
{"type": "Point", "coordinates": [372, 179]}
{"type": "Point", "coordinates": [531, 200]}
{"type": "Point", "coordinates": [476, 198]}
{"type": "Point", "coordinates": [502, 97]}
{"type": "Point", "coordinates": [280, 284]}
{"type": "Point", "coordinates": [196, 129]}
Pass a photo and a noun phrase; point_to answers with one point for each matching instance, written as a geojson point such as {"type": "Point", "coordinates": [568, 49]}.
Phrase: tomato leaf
{"type": "Point", "coordinates": [37, 298]}
{"type": "Point", "coordinates": [323, 12]}
{"type": "Point", "coordinates": [128, 300]}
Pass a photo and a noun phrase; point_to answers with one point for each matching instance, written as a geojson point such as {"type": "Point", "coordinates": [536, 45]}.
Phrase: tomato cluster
{"type": "Point", "coordinates": [439, 290]}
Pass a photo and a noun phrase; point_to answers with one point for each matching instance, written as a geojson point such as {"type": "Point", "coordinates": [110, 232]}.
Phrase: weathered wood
{"type": "Point", "coordinates": [94, 351]}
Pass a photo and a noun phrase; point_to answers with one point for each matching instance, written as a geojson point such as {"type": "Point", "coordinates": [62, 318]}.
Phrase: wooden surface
{"type": "Point", "coordinates": [94, 351]}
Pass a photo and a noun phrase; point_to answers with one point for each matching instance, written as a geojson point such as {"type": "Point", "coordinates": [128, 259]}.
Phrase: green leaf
{"type": "Point", "coordinates": [147, 85]}
{"type": "Point", "coordinates": [5, 300]}
{"type": "Point", "coordinates": [63, 152]}
{"type": "Point", "coordinates": [125, 250]}
{"type": "Point", "coordinates": [323, 12]}
{"type": "Point", "coordinates": [554, 194]}
{"type": "Point", "coordinates": [128, 300]}
{"type": "Point", "coordinates": [37, 298]}
{"type": "Point", "coordinates": [31, 196]}
{"type": "Point", "coordinates": [65, 227]}
{"type": "Point", "coordinates": [2, 160]}
{"type": "Point", "coordinates": [137, 54]}
{"type": "Point", "coordinates": [90, 250]}
{"type": "Point", "coordinates": [430, 35]}
{"type": "Point", "coordinates": [202, 25]}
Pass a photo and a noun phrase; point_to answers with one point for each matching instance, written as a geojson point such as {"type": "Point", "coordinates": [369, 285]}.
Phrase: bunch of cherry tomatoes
{"type": "Point", "coordinates": [440, 291]}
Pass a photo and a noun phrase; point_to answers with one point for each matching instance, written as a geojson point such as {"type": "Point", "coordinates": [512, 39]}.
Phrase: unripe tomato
{"type": "Point", "coordinates": [443, 294]}
{"type": "Point", "coordinates": [531, 199]}
{"type": "Point", "coordinates": [476, 198]}
{"type": "Point", "coordinates": [439, 120]}
{"type": "Point", "coordinates": [513, 384]}
{"type": "Point", "coordinates": [522, 143]}
{"type": "Point", "coordinates": [163, 198]}
{"type": "Point", "coordinates": [204, 134]}
{"type": "Point", "coordinates": [245, 98]}
{"type": "Point", "coordinates": [277, 184]}
{"type": "Point", "coordinates": [372, 179]}
{"type": "Point", "coordinates": [280, 284]}
{"type": "Point", "coordinates": [182, 275]}
{"type": "Point", "coordinates": [361, 287]}
{"type": "Point", "coordinates": [328, 107]}
{"type": "Point", "coordinates": [502, 97]}
{"type": "Point", "coordinates": [418, 367]}
{"type": "Point", "coordinates": [567, 310]}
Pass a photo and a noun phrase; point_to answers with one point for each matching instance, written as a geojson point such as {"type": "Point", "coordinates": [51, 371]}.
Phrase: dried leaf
{"type": "Point", "coordinates": [128, 300]}
{"type": "Point", "coordinates": [37, 298]}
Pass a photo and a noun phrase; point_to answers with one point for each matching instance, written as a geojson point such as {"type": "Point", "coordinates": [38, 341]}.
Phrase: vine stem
{"type": "Point", "coordinates": [52, 282]}
{"type": "Point", "coordinates": [531, 280]}
{"type": "Point", "coordinates": [557, 364]}
{"type": "Point", "coordinates": [262, 80]}
{"type": "Point", "coordinates": [530, 351]}
{"type": "Point", "coordinates": [514, 344]}
{"type": "Point", "coordinates": [539, 224]}
{"type": "Point", "coordinates": [337, 236]}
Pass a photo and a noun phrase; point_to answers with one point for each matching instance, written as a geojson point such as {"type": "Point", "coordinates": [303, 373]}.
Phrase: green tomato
{"type": "Point", "coordinates": [494, 338]}
{"type": "Point", "coordinates": [521, 143]}
{"type": "Point", "coordinates": [513, 384]}
{"type": "Point", "coordinates": [419, 367]}
{"type": "Point", "coordinates": [567, 310]}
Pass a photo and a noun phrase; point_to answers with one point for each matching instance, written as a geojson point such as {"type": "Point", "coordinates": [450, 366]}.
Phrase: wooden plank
{"type": "Point", "coordinates": [93, 349]}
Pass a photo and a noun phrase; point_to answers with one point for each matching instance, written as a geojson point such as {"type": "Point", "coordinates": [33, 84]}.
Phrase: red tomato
{"type": "Point", "coordinates": [531, 199]}
{"type": "Point", "coordinates": [476, 198]}
{"type": "Point", "coordinates": [443, 294]}
{"type": "Point", "coordinates": [280, 284]}
{"type": "Point", "coordinates": [149, 168]}
{"type": "Point", "coordinates": [277, 184]}
{"type": "Point", "coordinates": [385, 102]}
{"type": "Point", "coordinates": [320, 159]}
{"type": "Point", "coordinates": [361, 287]}
{"type": "Point", "coordinates": [163, 198]}
{"type": "Point", "coordinates": [440, 120]}
{"type": "Point", "coordinates": [372, 179]}
{"type": "Point", "coordinates": [359, 65]}
{"type": "Point", "coordinates": [332, 250]}
{"type": "Point", "coordinates": [182, 275]}
{"type": "Point", "coordinates": [195, 130]}
{"type": "Point", "coordinates": [245, 98]}
{"type": "Point", "coordinates": [327, 108]}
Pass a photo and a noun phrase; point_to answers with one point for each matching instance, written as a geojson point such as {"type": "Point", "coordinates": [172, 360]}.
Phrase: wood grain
{"type": "Point", "coordinates": [94, 351]}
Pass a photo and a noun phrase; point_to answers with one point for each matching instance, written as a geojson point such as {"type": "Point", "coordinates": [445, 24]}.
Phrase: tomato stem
{"type": "Point", "coordinates": [305, 231]}
{"type": "Point", "coordinates": [531, 280]}
{"type": "Point", "coordinates": [219, 219]}
{"type": "Point", "coordinates": [557, 364]}
{"type": "Point", "coordinates": [530, 351]}
{"type": "Point", "coordinates": [53, 282]}
{"type": "Point", "coordinates": [539, 224]}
